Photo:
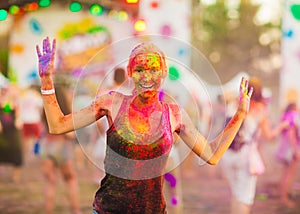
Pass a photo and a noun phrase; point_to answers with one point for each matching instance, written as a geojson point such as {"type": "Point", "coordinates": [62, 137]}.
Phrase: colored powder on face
{"type": "Point", "coordinates": [149, 62]}
{"type": "Point", "coordinates": [154, 61]}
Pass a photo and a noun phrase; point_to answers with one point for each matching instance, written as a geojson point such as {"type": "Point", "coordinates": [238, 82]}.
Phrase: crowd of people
{"type": "Point", "coordinates": [137, 144]}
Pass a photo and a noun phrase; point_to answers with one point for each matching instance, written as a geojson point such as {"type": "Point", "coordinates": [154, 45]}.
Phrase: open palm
{"type": "Point", "coordinates": [46, 58]}
{"type": "Point", "coordinates": [245, 96]}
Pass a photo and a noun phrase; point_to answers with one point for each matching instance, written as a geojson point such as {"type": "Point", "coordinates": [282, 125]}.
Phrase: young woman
{"type": "Point", "coordinates": [288, 153]}
{"type": "Point", "coordinates": [141, 131]}
{"type": "Point", "coordinates": [11, 151]}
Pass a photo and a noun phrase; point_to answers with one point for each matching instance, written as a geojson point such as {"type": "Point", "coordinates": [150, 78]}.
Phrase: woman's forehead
{"type": "Point", "coordinates": [149, 58]}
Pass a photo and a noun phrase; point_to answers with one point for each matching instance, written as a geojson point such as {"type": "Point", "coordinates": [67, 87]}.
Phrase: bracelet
{"type": "Point", "coordinates": [48, 92]}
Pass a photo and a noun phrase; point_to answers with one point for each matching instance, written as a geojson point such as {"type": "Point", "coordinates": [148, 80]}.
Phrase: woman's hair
{"type": "Point", "coordinates": [291, 107]}
{"type": "Point", "coordinates": [256, 84]}
{"type": "Point", "coordinates": [146, 48]}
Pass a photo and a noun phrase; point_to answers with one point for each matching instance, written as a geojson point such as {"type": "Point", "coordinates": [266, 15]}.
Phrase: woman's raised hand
{"type": "Point", "coordinates": [46, 58]}
{"type": "Point", "coordinates": [245, 96]}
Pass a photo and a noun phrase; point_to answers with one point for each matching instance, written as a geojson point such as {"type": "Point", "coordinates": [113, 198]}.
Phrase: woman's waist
{"type": "Point", "coordinates": [132, 169]}
{"type": "Point", "coordinates": [129, 185]}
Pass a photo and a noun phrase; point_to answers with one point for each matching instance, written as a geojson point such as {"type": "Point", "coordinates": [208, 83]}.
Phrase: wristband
{"type": "Point", "coordinates": [48, 92]}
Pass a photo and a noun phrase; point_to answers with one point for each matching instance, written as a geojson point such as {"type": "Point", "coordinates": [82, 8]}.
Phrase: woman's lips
{"type": "Point", "coordinates": [147, 86]}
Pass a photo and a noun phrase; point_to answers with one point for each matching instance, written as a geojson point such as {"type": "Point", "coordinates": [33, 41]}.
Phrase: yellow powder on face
{"type": "Point", "coordinates": [147, 62]}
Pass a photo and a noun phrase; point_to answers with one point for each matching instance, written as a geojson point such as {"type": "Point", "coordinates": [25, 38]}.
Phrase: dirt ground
{"type": "Point", "coordinates": [205, 191]}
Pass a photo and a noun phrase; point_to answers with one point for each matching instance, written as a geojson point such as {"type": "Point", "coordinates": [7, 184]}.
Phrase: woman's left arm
{"type": "Point", "coordinates": [211, 152]}
{"type": "Point", "coordinates": [267, 131]}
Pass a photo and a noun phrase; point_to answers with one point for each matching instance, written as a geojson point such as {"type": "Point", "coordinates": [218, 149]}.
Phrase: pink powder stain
{"type": "Point", "coordinates": [166, 30]}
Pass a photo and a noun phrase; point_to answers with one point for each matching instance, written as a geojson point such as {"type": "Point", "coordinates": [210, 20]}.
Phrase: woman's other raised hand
{"type": "Point", "coordinates": [245, 96]}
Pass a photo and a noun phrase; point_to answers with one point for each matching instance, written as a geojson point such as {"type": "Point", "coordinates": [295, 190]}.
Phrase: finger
{"type": "Point", "coordinates": [53, 45]}
{"type": "Point", "coordinates": [38, 51]}
{"type": "Point", "coordinates": [246, 83]}
{"type": "Point", "coordinates": [243, 80]}
{"type": "Point", "coordinates": [47, 45]}
{"type": "Point", "coordinates": [246, 87]}
{"type": "Point", "coordinates": [250, 92]}
{"type": "Point", "coordinates": [243, 83]}
{"type": "Point", "coordinates": [44, 46]}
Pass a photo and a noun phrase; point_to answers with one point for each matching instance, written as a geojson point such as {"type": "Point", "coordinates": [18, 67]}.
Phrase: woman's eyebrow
{"type": "Point", "coordinates": [138, 67]}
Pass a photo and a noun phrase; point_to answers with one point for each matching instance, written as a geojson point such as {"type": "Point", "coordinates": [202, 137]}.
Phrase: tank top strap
{"type": "Point", "coordinates": [121, 110]}
{"type": "Point", "coordinates": [167, 122]}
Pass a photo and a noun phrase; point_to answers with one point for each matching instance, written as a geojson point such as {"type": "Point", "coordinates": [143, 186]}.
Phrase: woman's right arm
{"type": "Point", "coordinates": [58, 122]}
{"type": "Point", "coordinates": [269, 132]}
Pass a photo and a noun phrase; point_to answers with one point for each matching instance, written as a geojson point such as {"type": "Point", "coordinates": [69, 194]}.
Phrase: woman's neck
{"type": "Point", "coordinates": [141, 102]}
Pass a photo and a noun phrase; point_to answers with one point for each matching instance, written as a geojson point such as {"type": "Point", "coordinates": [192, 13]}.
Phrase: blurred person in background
{"type": "Point", "coordinates": [85, 144]}
{"type": "Point", "coordinates": [57, 153]}
{"type": "Point", "coordinates": [10, 129]}
{"type": "Point", "coordinates": [288, 153]}
{"type": "Point", "coordinates": [31, 108]}
{"type": "Point", "coordinates": [217, 122]}
{"type": "Point", "coordinates": [235, 162]}
{"type": "Point", "coordinates": [200, 118]}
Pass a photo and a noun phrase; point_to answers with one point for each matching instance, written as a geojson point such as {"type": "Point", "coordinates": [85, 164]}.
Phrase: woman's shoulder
{"type": "Point", "coordinates": [107, 100]}
{"type": "Point", "coordinates": [175, 115]}
{"type": "Point", "coordinates": [111, 95]}
{"type": "Point", "coordinates": [174, 108]}
{"type": "Point", "coordinates": [175, 111]}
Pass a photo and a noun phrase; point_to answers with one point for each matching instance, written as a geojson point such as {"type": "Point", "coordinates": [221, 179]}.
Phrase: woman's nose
{"type": "Point", "coordinates": [147, 75]}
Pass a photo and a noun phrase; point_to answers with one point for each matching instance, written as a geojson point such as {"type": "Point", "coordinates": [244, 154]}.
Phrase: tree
{"type": "Point", "coordinates": [233, 41]}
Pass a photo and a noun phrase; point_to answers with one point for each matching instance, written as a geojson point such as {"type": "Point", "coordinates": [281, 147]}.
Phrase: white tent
{"type": "Point", "coordinates": [3, 81]}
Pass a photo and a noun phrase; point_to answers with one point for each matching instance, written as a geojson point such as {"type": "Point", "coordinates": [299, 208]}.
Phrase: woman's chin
{"type": "Point", "coordinates": [148, 93]}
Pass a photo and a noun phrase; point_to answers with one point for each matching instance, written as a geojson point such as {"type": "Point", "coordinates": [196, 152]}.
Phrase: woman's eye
{"type": "Point", "coordinates": [153, 70]}
{"type": "Point", "coordinates": [139, 70]}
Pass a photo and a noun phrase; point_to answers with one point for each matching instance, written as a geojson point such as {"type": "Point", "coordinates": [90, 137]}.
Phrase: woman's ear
{"type": "Point", "coordinates": [164, 74]}
{"type": "Point", "coordinates": [129, 71]}
{"type": "Point", "coordinates": [165, 71]}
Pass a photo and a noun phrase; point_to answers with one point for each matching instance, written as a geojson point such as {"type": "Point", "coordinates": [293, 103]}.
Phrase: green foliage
{"type": "Point", "coordinates": [231, 33]}
{"type": "Point", "coordinates": [3, 61]}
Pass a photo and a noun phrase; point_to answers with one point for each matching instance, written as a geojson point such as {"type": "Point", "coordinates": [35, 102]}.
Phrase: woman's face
{"type": "Point", "coordinates": [147, 73]}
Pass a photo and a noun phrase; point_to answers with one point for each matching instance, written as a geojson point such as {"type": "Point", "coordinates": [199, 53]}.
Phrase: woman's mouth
{"type": "Point", "coordinates": [147, 86]}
